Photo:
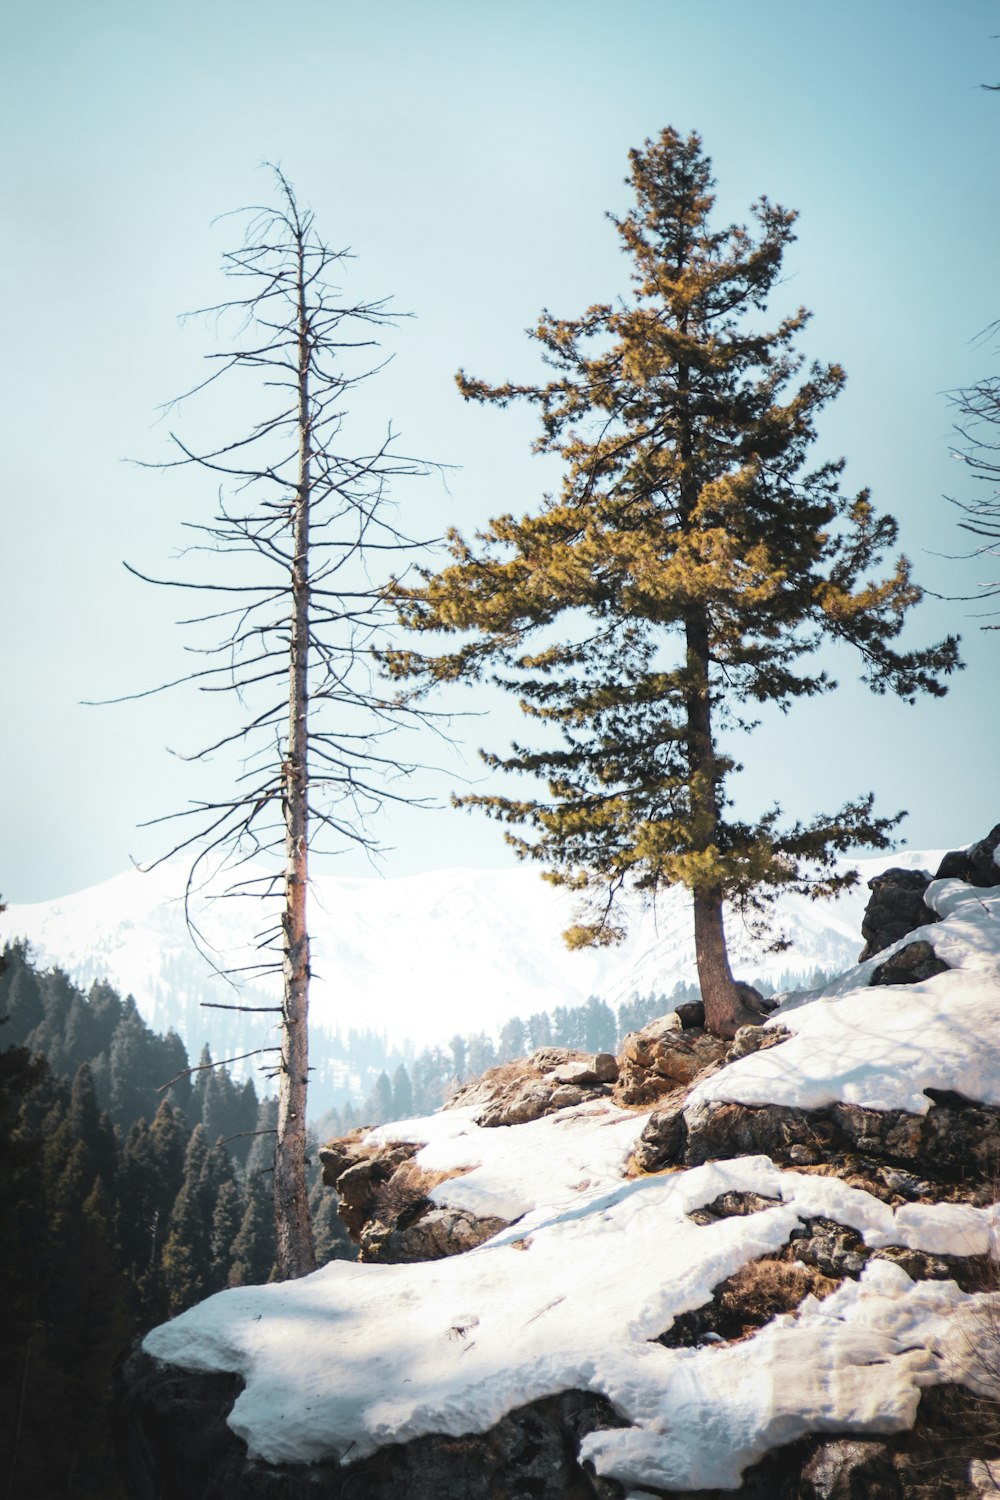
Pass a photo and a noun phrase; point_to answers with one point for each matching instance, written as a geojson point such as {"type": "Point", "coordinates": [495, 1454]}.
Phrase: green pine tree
{"type": "Point", "coordinates": [227, 1220]}
{"type": "Point", "coordinates": [186, 1263]}
{"type": "Point", "coordinates": [255, 1247]}
{"type": "Point", "coordinates": [134, 1079]}
{"type": "Point", "coordinates": [688, 570]}
{"type": "Point", "coordinates": [22, 997]}
{"type": "Point", "coordinates": [402, 1096]}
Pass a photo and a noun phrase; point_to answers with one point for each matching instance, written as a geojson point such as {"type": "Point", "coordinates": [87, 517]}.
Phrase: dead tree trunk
{"type": "Point", "coordinates": [291, 1205]}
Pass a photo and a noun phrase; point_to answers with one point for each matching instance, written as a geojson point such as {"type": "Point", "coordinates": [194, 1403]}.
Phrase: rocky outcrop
{"type": "Point", "coordinates": [951, 1151]}
{"type": "Point", "coordinates": [664, 1057]}
{"type": "Point", "coordinates": [386, 1206]}
{"type": "Point", "coordinates": [896, 907]}
{"type": "Point", "coordinates": [176, 1446]}
{"type": "Point", "coordinates": [550, 1079]}
{"type": "Point", "coordinates": [361, 1175]}
{"type": "Point", "coordinates": [977, 865]}
{"type": "Point", "coordinates": [433, 1234]}
{"type": "Point", "coordinates": [951, 1453]}
{"type": "Point", "coordinates": [910, 965]}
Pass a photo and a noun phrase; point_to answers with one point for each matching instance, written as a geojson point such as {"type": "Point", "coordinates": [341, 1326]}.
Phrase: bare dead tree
{"type": "Point", "coordinates": [977, 425]}
{"type": "Point", "coordinates": [296, 644]}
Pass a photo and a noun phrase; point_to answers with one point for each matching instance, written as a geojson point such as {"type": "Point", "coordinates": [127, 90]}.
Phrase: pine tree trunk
{"type": "Point", "coordinates": [291, 1204]}
{"type": "Point", "coordinates": [725, 1008]}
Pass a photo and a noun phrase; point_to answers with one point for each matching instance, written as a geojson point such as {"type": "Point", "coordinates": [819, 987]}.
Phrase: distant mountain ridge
{"type": "Point", "coordinates": [417, 957]}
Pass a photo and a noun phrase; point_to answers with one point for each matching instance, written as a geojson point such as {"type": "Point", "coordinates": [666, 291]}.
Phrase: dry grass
{"type": "Point", "coordinates": [759, 1291]}
{"type": "Point", "coordinates": [407, 1192]}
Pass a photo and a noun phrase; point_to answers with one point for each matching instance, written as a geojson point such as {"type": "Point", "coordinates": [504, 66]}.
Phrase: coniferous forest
{"type": "Point", "coordinates": [131, 1189]}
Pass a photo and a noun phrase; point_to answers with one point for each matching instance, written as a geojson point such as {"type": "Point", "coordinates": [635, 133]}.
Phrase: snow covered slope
{"type": "Point", "coordinates": [576, 1293]}
{"type": "Point", "coordinates": [418, 957]}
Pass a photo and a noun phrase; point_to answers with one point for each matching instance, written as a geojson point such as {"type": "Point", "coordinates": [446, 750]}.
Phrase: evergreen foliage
{"type": "Point", "coordinates": [106, 1227]}
{"type": "Point", "coordinates": [690, 567]}
{"type": "Point", "coordinates": [254, 1246]}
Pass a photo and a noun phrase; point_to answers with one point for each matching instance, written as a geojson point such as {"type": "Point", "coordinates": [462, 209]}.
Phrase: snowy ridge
{"type": "Point", "coordinates": [418, 957]}
{"type": "Point", "coordinates": [575, 1293]}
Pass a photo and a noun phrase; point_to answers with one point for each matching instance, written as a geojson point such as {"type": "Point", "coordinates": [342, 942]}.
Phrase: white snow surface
{"type": "Point", "coordinates": [883, 1047]}
{"type": "Point", "coordinates": [570, 1297]}
{"type": "Point", "coordinates": [593, 1266]}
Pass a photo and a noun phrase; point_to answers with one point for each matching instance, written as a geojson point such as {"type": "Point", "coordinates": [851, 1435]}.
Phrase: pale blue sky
{"type": "Point", "coordinates": [468, 155]}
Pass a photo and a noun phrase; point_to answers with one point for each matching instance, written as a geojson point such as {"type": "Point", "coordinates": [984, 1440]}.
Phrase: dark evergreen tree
{"type": "Point", "coordinates": [480, 1054]}
{"type": "Point", "coordinates": [106, 1009]}
{"type": "Point", "coordinates": [539, 1030]}
{"type": "Point", "coordinates": [245, 1113]}
{"type": "Point", "coordinates": [261, 1157]}
{"type": "Point", "coordinates": [67, 1309]}
{"type": "Point", "coordinates": [377, 1108]}
{"type": "Point", "coordinates": [220, 1108]}
{"type": "Point", "coordinates": [186, 1264]}
{"type": "Point", "coordinates": [172, 1068]}
{"type": "Point", "coordinates": [254, 1249]}
{"type": "Point", "coordinates": [92, 1322]}
{"type": "Point", "coordinates": [49, 1036]}
{"type": "Point", "coordinates": [562, 1027]}
{"type": "Point", "coordinates": [691, 565]}
{"type": "Point", "coordinates": [169, 1137]}
{"type": "Point", "coordinates": [134, 1077]}
{"type": "Point", "coordinates": [21, 998]}
{"type": "Point", "coordinates": [513, 1039]}
{"type": "Point", "coordinates": [90, 1124]}
{"type": "Point", "coordinates": [402, 1094]}
{"type": "Point", "coordinates": [199, 1087]}
{"type": "Point", "coordinates": [599, 1026]}
{"type": "Point", "coordinates": [227, 1220]}
{"type": "Point", "coordinates": [137, 1219]}
{"type": "Point", "coordinates": [458, 1056]}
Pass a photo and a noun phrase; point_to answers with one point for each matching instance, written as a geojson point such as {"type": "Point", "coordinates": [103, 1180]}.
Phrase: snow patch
{"type": "Point", "coordinates": [883, 1047]}
{"type": "Point", "coordinates": [573, 1296]}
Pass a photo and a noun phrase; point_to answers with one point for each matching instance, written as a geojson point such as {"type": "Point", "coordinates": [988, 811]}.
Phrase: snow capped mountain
{"type": "Point", "coordinates": [418, 957]}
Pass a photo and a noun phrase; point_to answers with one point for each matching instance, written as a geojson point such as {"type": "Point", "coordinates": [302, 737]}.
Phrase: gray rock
{"type": "Point", "coordinates": [755, 1039]}
{"type": "Point", "coordinates": [550, 1079]}
{"type": "Point", "coordinates": [527, 1099]}
{"type": "Point", "coordinates": [175, 1445]}
{"type": "Point", "coordinates": [892, 1134]}
{"type": "Point", "coordinates": [606, 1067]}
{"type": "Point", "coordinates": [977, 865]}
{"type": "Point", "coordinates": [663, 1140]}
{"type": "Point", "coordinates": [361, 1182]}
{"type": "Point", "coordinates": [831, 1248]}
{"type": "Point", "coordinates": [715, 1131]}
{"type": "Point", "coordinates": [691, 1013]}
{"type": "Point", "coordinates": [896, 907]}
{"type": "Point", "coordinates": [663, 1057]}
{"type": "Point", "coordinates": [436, 1234]}
{"type": "Point", "coordinates": [909, 965]}
{"type": "Point", "coordinates": [584, 1074]}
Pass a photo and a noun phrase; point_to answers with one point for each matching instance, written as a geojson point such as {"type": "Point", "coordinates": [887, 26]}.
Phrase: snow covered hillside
{"type": "Point", "coordinates": [589, 1284]}
{"type": "Point", "coordinates": [418, 958]}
